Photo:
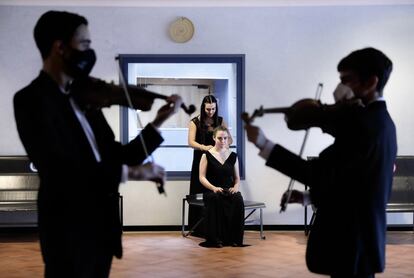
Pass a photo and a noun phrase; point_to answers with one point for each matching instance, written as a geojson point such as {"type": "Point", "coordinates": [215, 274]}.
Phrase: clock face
{"type": "Point", "coordinates": [181, 30]}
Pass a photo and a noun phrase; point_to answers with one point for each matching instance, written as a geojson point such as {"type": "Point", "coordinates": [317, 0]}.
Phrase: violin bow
{"type": "Point", "coordinates": [283, 206]}
{"type": "Point", "coordinates": [160, 187]}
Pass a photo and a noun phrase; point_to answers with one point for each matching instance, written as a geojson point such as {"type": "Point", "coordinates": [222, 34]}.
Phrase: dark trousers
{"type": "Point", "coordinates": [75, 254]}
{"type": "Point", "coordinates": [93, 267]}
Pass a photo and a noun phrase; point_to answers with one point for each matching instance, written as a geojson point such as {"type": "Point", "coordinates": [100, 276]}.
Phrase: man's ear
{"type": "Point", "coordinates": [58, 47]}
{"type": "Point", "coordinates": [371, 83]}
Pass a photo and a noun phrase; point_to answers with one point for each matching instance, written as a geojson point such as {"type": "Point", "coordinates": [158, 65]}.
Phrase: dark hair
{"type": "Point", "coordinates": [55, 25]}
{"type": "Point", "coordinates": [203, 116]}
{"type": "Point", "coordinates": [368, 62]}
{"type": "Point", "coordinates": [220, 128]}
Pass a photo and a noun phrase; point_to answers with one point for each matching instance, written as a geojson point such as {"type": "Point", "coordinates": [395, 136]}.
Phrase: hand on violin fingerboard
{"type": "Point", "coordinates": [174, 102]}
{"type": "Point", "coordinates": [249, 119]}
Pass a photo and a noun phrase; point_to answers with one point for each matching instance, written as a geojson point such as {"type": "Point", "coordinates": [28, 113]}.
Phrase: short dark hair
{"type": "Point", "coordinates": [55, 25]}
{"type": "Point", "coordinates": [368, 62]}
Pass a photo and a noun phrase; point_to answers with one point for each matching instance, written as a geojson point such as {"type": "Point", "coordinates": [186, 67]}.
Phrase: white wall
{"type": "Point", "coordinates": [289, 50]}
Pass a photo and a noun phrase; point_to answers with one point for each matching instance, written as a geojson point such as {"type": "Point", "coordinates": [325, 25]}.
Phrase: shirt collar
{"type": "Point", "coordinates": [379, 98]}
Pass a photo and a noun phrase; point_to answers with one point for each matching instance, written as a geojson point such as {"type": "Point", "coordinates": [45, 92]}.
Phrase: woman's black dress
{"type": "Point", "coordinates": [225, 211]}
{"type": "Point", "coordinates": [204, 135]}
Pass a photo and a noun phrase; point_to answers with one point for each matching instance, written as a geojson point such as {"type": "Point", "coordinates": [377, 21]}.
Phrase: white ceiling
{"type": "Point", "coordinates": [202, 3]}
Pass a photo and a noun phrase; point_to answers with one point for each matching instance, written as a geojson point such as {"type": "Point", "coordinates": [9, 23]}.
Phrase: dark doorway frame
{"type": "Point", "coordinates": [238, 59]}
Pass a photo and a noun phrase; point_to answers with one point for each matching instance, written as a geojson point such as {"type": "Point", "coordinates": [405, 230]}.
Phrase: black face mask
{"type": "Point", "coordinates": [80, 63]}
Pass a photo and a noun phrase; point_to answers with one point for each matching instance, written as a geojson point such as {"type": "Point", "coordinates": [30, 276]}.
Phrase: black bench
{"type": "Point", "coordinates": [402, 195]}
{"type": "Point", "coordinates": [197, 200]}
{"type": "Point", "coordinates": [19, 184]}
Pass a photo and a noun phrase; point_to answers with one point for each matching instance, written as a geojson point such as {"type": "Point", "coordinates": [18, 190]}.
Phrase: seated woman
{"type": "Point", "coordinates": [219, 173]}
{"type": "Point", "coordinates": [200, 138]}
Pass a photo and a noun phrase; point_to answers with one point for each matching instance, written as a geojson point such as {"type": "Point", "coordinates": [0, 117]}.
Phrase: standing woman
{"type": "Point", "coordinates": [200, 138]}
{"type": "Point", "coordinates": [219, 174]}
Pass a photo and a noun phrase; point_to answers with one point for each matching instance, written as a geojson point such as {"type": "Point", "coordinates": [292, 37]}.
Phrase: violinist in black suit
{"type": "Point", "coordinates": [80, 164]}
{"type": "Point", "coordinates": [350, 182]}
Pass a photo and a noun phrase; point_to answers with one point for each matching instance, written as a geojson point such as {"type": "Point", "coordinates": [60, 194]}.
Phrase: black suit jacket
{"type": "Point", "coordinates": [76, 192]}
{"type": "Point", "coordinates": [350, 183]}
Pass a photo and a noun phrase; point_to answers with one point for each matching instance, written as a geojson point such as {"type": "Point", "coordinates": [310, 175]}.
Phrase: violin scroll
{"type": "Point", "coordinates": [256, 113]}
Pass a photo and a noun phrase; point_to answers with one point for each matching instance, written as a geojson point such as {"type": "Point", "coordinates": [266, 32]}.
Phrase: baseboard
{"type": "Point", "coordinates": [166, 228]}
{"type": "Point", "coordinates": [405, 227]}
{"type": "Point", "coordinates": [158, 228]}
{"type": "Point", "coordinates": [18, 230]}
{"type": "Point", "coordinates": [163, 228]}
{"type": "Point", "coordinates": [246, 228]}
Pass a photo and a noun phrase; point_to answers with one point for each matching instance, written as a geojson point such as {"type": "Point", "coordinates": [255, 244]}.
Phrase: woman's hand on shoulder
{"type": "Point", "coordinates": [207, 148]}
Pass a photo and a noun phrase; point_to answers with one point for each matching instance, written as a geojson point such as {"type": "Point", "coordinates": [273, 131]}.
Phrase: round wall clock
{"type": "Point", "coordinates": [181, 30]}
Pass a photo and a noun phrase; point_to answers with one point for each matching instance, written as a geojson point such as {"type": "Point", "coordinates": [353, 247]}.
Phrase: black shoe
{"type": "Point", "coordinates": [239, 245]}
{"type": "Point", "coordinates": [211, 244]}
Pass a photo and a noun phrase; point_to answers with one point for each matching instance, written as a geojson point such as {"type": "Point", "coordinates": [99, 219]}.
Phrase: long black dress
{"type": "Point", "coordinates": [225, 211]}
{"type": "Point", "coordinates": [204, 135]}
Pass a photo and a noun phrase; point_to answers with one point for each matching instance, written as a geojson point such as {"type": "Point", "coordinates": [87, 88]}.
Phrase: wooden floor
{"type": "Point", "coordinates": [168, 254]}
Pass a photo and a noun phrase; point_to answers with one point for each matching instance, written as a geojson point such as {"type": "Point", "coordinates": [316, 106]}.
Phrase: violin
{"type": "Point", "coordinates": [297, 117]}
{"type": "Point", "coordinates": [301, 115]}
{"type": "Point", "coordinates": [94, 93]}
{"type": "Point", "coordinates": [307, 113]}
